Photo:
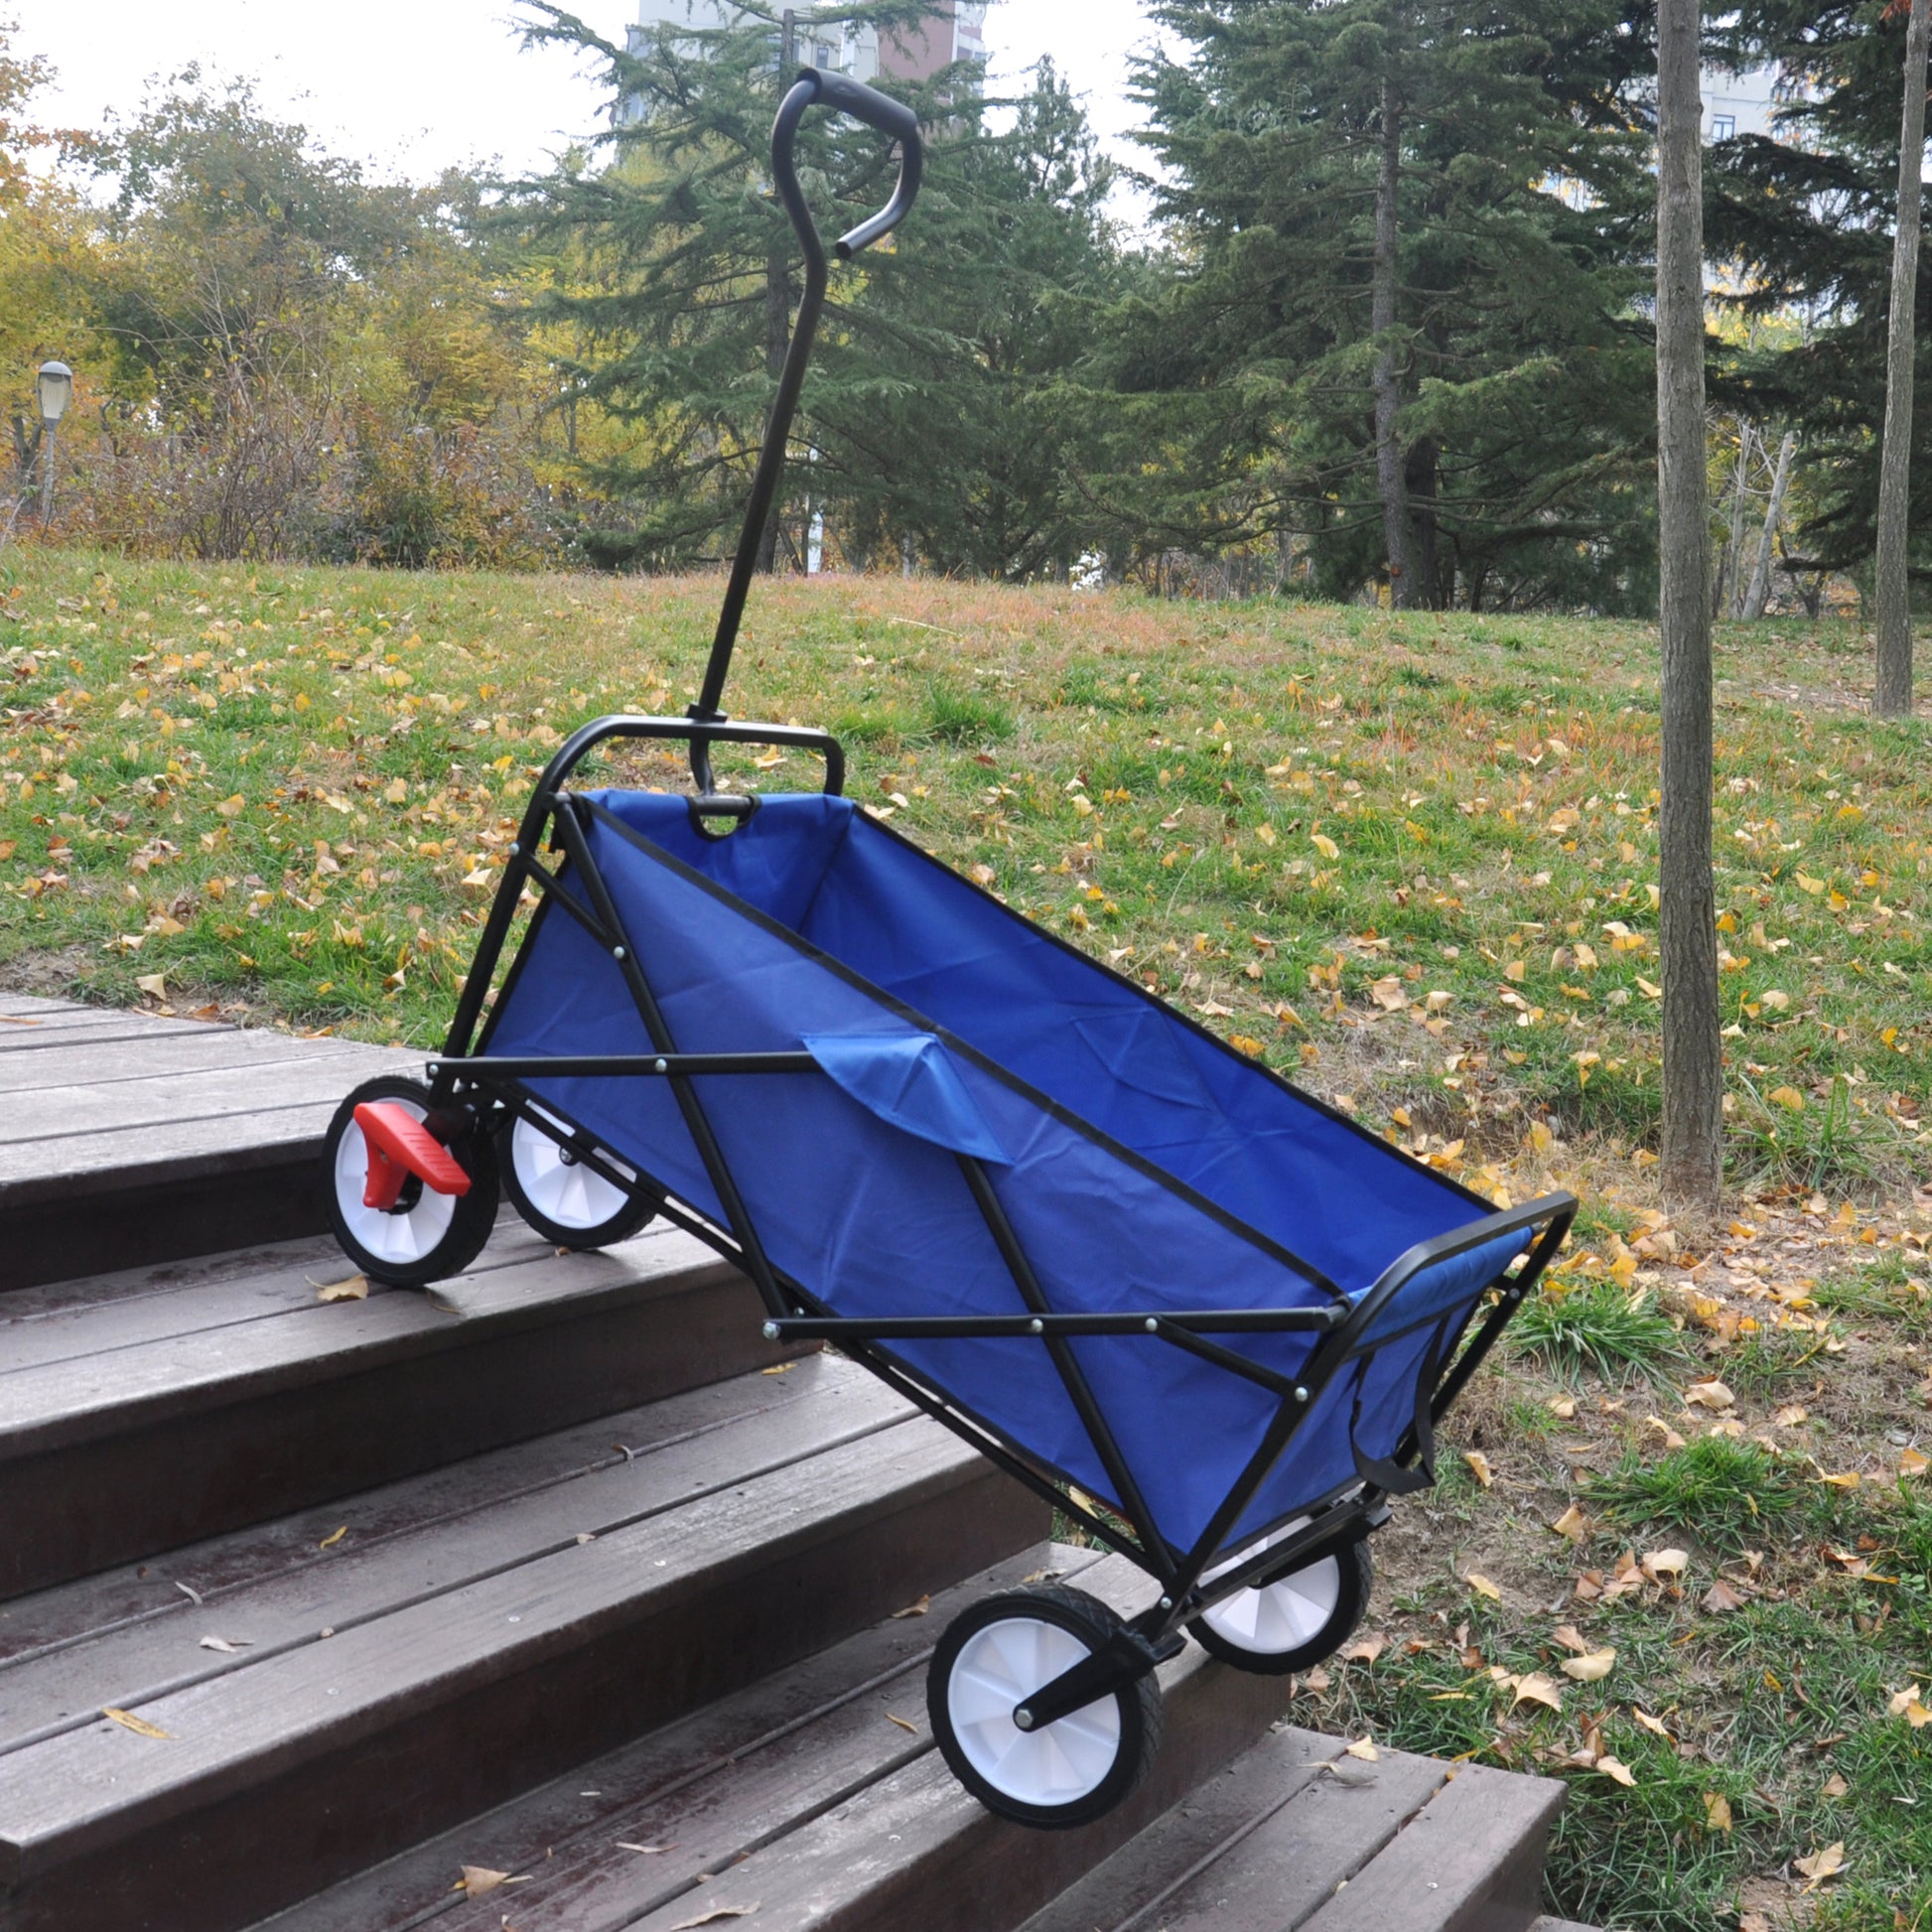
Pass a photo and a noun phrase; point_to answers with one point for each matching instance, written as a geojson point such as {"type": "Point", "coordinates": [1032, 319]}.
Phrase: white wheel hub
{"type": "Point", "coordinates": [1003, 1665]}
{"type": "Point", "coordinates": [1280, 1616]}
{"type": "Point", "coordinates": [559, 1187]}
{"type": "Point", "coordinates": [401, 1237]}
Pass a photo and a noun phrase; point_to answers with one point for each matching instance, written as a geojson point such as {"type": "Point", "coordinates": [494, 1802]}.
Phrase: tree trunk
{"type": "Point", "coordinates": [1730, 576]}
{"type": "Point", "coordinates": [1391, 482]}
{"type": "Point", "coordinates": [1420, 478]}
{"type": "Point", "coordinates": [1693, 1152]}
{"type": "Point", "coordinates": [1759, 592]}
{"type": "Point", "coordinates": [1892, 692]}
{"type": "Point", "coordinates": [778, 307]}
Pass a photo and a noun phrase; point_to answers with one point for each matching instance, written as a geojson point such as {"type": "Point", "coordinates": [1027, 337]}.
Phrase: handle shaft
{"type": "Point", "coordinates": [891, 117]}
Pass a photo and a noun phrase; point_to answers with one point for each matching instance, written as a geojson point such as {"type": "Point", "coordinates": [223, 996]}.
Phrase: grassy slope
{"type": "Point", "coordinates": [1409, 861]}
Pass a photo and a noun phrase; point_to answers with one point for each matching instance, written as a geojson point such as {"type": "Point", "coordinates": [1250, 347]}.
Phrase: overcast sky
{"type": "Point", "coordinates": [410, 87]}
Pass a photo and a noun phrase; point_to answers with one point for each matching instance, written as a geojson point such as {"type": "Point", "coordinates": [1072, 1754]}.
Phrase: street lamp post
{"type": "Point", "coordinates": [56, 381]}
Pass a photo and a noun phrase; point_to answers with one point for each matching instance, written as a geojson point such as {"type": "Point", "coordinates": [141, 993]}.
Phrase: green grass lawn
{"type": "Point", "coordinates": [1410, 861]}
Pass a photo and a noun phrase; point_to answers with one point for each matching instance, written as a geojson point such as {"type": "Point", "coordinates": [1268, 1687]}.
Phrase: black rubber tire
{"type": "Point", "coordinates": [1138, 1704]}
{"type": "Point", "coordinates": [474, 1213]}
{"type": "Point", "coordinates": [631, 1220]}
{"type": "Point", "coordinates": [1351, 1605]}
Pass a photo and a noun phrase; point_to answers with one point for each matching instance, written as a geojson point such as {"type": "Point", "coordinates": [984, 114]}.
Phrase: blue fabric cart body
{"type": "Point", "coordinates": [1143, 1164]}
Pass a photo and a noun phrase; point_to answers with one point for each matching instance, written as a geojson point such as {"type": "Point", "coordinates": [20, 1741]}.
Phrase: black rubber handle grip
{"type": "Point", "coordinates": [866, 104]}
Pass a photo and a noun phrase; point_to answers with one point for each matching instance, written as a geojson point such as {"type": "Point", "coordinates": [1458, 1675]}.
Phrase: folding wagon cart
{"type": "Point", "coordinates": [1214, 1320]}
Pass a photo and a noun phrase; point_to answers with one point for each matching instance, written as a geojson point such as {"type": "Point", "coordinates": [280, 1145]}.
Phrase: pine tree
{"type": "Point", "coordinates": [1397, 320]}
{"type": "Point", "coordinates": [1805, 217]}
{"type": "Point", "coordinates": [677, 267]}
{"type": "Point", "coordinates": [926, 421]}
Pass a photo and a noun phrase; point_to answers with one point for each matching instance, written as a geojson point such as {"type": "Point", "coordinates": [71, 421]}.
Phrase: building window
{"type": "Point", "coordinates": [1722, 126]}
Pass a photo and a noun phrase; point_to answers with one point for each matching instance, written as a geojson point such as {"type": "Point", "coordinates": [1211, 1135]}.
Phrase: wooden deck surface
{"type": "Point", "coordinates": [131, 1138]}
{"type": "Point", "coordinates": [561, 1572]}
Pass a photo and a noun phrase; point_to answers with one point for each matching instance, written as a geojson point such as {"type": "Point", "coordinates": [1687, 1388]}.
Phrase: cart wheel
{"type": "Point", "coordinates": [426, 1237]}
{"type": "Point", "coordinates": [996, 1654]}
{"type": "Point", "coordinates": [1296, 1620]}
{"type": "Point", "coordinates": [560, 1198]}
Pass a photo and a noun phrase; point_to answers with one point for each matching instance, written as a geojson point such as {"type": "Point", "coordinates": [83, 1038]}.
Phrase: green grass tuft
{"type": "Point", "coordinates": [1723, 1493]}
{"type": "Point", "coordinates": [1615, 1333]}
{"type": "Point", "coordinates": [964, 717]}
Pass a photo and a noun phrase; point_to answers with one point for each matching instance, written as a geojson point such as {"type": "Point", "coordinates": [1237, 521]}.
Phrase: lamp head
{"type": "Point", "coordinates": [55, 382]}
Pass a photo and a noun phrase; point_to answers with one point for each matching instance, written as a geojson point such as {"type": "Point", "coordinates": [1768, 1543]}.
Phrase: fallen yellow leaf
{"type": "Point", "coordinates": [1479, 1468]}
{"type": "Point", "coordinates": [1709, 1394]}
{"type": "Point", "coordinates": [1537, 1689]}
{"type": "Point", "coordinates": [355, 1289]}
{"type": "Point", "coordinates": [1717, 1810]}
{"type": "Point", "coordinates": [1573, 1523]}
{"type": "Point", "coordinates": [329, 1541]}
{"type": "Point", "coordinates": [1364, 1749]}
{"type": "Point", "coordinates": [477, 1879]}
{"type": "Point", "coordinates": [129, 1721]}
{"type": "Point", "coordinates": [1821, 1865]}
{"type": "Point", "coordinates": [1482, 1586]}
{"type": "Point", "coordinates": [1590, 1669]}
{"type": "Point", "coordinates": [1618, 1772]}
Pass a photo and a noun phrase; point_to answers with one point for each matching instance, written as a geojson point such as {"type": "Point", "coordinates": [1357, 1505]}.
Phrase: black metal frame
{"type": "Point", "coordinates": [1346, 1332]}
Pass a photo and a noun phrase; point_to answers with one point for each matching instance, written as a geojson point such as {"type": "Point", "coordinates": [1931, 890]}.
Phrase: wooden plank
{"type": "Point", "coordinates": [1293, 1863]}
{"type": "Point", "coordinates": [227, 1196]}
{"type": "Point", "coordinates": [238, 1559]}
{"type": "Point", "coordinates": [72, 1321]}
{"type": "Point", "coordinates": [1134, 1887]}
{"type": "Point", "coordinates": [127, 1145]}
{"type": "Point", "coordinates": [51, 1114]}
{"type": "Point", "coordinates": [57, 1299]}
{"type": "Point", "coordinates": [108, 1461]}
{"type": "Point", "coordinates": [67, 1402]}
{"type": "Point", "coordinates": [915, 1849]}
{"type": "Point", "coordinates": [1470, 1861]}
{"type": "Point", "coordinates": [779, 1423]}
{"type": "Point", "coordinates": [90, 1061]}
{"type": "Point", "coordinates": [343, 1750]}
{"type": "Point", "coordinates": [707, 1789]}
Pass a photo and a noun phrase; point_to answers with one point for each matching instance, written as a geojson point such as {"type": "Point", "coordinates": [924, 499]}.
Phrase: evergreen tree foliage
{"type": "Point", "coordinates": [1503, 151]}
{"type": "Point", "coordinates": [1804, 214]}
{"type": "Point", "coordinates": [925, 421]}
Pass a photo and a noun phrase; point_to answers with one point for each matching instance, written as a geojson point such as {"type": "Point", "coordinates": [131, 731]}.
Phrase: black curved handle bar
{"type": "Point", "coordinates": [890, 117]}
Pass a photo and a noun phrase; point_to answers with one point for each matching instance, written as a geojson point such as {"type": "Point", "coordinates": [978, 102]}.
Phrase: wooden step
{"type": "Point", "coordinates": [129, 1138]}
{"type": "Point", "coordinates": [438, 1658]}
{"type": "Point", "coordinates": [1300, 1834]}
{"type": "Point", "coordinates": [816, 1796]}
{"type": "Point", "coordinates": [155, 1408]}
{"type": "Point", "coordinates": [1469, 1861]}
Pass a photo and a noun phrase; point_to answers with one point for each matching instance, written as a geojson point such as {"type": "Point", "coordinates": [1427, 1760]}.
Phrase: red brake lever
{"type": "Point", "coordinates": [400, 1146]}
